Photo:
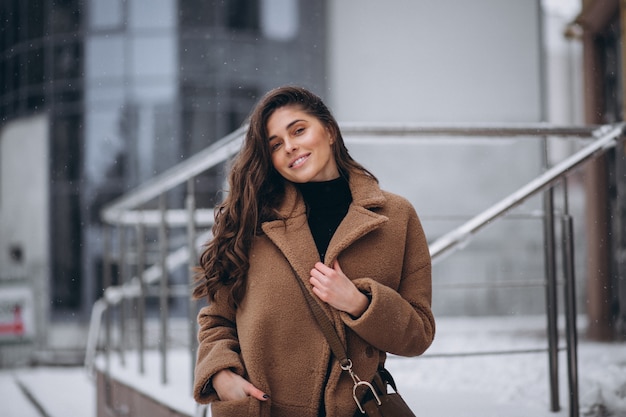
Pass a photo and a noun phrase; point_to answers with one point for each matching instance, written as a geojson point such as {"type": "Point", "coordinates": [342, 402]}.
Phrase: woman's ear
{"type": "Point", "coordinates": [331, 136]}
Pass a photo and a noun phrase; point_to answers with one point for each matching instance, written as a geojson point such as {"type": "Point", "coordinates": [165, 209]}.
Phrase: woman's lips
{"type": "Point", "coordinates": [299, 161]}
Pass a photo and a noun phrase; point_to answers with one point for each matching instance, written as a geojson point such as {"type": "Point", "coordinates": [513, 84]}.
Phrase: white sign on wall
{"type": "Point", "coordinates": [16, 313]}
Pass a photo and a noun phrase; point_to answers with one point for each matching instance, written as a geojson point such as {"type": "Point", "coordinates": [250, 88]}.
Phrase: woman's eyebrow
{"type": "Point", "coordinates": [287, 128]}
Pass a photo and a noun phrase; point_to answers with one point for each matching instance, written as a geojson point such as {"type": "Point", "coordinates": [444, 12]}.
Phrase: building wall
{"type": "Point", "coordinates": [24, 231]}
{"type": "Point", "coordinates": [453, 62]}
{"type": "Point", "coordinates": [130, 88]}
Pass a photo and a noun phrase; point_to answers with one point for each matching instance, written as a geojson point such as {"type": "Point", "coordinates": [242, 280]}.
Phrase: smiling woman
{"type": "Point", "coordinates": [300, 208]}
{"type": "Point", "coordinates": [301, 146]}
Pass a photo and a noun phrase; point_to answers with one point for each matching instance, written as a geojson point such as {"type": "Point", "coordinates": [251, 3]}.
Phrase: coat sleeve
{"type": "Point", "coordinates": [218, 348]}
{"type": "Point", "coordinates": [400, 321]}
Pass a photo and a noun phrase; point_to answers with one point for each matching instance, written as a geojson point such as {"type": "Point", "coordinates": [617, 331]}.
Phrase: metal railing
{"type": "Point", "coordinates": [130, 211]}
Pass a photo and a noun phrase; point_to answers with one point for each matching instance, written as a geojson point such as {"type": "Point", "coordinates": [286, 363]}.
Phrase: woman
{"type": "Point", "coordinates": [298, 198]}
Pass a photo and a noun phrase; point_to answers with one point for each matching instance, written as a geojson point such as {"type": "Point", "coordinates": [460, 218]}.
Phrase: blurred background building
{"type": "Point", "coordinates": [99, 96]}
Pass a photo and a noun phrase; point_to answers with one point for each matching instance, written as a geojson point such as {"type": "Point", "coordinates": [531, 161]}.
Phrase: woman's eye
{"type": "Point", "coordinates": [299, 131]}
{"type": "Point", "coordinates": [274, 146]}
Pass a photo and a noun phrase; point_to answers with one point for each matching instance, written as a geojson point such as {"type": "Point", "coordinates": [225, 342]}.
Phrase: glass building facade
{"type": "Point", "coordinates": [132, 87]}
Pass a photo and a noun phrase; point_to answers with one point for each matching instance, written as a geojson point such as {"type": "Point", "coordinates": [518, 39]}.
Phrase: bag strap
{"type": "Point", "coordinates": [335, 343]}
{"type": "Point", "coordinates": [325, 324]}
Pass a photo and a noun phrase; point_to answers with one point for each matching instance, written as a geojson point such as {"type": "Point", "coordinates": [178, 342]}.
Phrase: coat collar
{"type": "Point", "coordinates": [293, 236]}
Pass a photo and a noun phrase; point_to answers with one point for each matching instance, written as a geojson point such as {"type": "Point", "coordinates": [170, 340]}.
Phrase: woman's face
{"type": "Point", "coordinates": [301, 146]}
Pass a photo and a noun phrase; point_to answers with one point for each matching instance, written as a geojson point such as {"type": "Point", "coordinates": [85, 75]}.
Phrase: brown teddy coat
{"type": "Point", "coordinates": [273, 340]}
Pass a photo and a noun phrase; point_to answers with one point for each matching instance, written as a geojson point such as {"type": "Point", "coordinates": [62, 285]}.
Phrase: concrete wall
{"type": "Point", "coordinates": [451, 62]}
{"type": "Point", "coordinates": [24, 234]}
{"type": "Point", "coordinates": [447, 61]}
{"type": "Point", "coordinates": [114, 398]}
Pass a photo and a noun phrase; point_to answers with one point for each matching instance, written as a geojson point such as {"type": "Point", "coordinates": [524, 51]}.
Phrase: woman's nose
{"type": "Point", "coordinates": [290, 145]}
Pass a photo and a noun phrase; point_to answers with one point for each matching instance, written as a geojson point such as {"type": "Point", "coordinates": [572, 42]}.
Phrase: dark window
{"type": "Point", "coordinates": [67, 58]}
{"type": "Point", "coordinates": [197, 13]}
{"type": "Point", "coordinates": [65, 211]}
{"type": "Point", "coordinates": [15, 23]}
{"type": "Point", "coordinates": [35, 66]}
{"type": "Point", "coordinates": [4, 87]}
{"type": "Point", "coordinates": [35, 18]}
{"type": "Point", "coordinates": [14, 73]}
{"type": "Point", "coordinates": [8, 23]}
{"type": "Point", "coordinates": [65, 16]}
{"type": "Point", "coordinates": [65, 248]}
{"type": "Point", "coordinates": [65, 144]}
{"type": "Point", "coordinates": [35, 101]}
{"type": "Point", "coordinates": [242, 99]}
{"type": "Point", "coordinates": [243, 15]}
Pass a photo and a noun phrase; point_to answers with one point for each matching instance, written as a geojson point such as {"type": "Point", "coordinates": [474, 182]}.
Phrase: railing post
{"type": "Point", "coordinates": [570, 306]}
{"type": "Point", "coordinates": [141, 301]}
{"type": "Point", "coordinates": [123, 307]}
{"type": "Point", "coordinates": [163, 290]}
{"type": "Point", "coordinates": [106, 283]}
{"type": "Point", "coordinates": [551, 288]}
{"type": "Point", "coordinates": [190, 202]}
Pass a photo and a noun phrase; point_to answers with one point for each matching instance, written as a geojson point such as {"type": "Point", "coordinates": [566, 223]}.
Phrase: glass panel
{"type": "Point", "coordinates": [154, 55]}
{"type": "Point", "coordinates": [104, 57]}
{"type": "Point", "coordinates": [152, 14]}
{"type": "Point", "coordinates": [153, 67]}
{"type": "Point", "coordinates": [105, 147]}
{"type": "Point", "coordinates": [106, 14]}
{"type": "Point", "coordinates": [280, 19]}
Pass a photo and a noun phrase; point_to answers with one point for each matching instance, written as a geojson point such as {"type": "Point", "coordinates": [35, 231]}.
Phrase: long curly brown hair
{"type": "Point", "coordinates": [256, 191]}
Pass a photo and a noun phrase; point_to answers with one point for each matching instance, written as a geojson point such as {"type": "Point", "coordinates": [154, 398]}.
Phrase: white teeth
{"type": "Point", "coordinates": [297, 161]}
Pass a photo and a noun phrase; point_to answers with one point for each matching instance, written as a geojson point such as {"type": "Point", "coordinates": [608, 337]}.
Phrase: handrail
{"type": "Point", "coordinates": [127, 210]}
{"type": "Point", "coordinates": [606, 135]}
{"type": "Point", "coordinates": [115, 294]}
{"type": "Point", "coordinates": [464, 130]}
{"type": "Point", "coordinates": [230, 144]}
{"type": "Point", "coordinates": [178, 174]}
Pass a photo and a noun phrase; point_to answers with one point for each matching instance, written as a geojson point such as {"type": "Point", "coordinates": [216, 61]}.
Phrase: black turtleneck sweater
{"type": "Point", "coordinates": [327, 203]}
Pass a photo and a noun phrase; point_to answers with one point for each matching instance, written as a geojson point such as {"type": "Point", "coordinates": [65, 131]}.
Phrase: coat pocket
{"type": "Point", "coordinates": [248, 406]}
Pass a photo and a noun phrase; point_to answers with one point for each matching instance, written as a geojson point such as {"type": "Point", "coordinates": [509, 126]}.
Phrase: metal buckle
{"type": "Point", "coordinates": [368, 385]}
{"type": "Point", "coordinates": [358, 383]}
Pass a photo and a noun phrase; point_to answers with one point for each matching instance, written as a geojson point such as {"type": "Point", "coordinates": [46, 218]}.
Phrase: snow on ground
{"type": "Point", "coordinates": [508, 385]}
{"type": "Point", "coordinates": [58, 391]}
{"type": "Point", "coordinates": [513, 385]}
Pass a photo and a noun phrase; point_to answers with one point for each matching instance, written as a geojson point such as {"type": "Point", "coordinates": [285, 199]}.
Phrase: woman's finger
{"type": "Point", "coordinates": [257, 393]}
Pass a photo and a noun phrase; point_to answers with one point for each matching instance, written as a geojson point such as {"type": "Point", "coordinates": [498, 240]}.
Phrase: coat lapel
{"type": "Point", "coordinates": [293, 236]}
{"type": "Point", "coordinates": [358, 222]}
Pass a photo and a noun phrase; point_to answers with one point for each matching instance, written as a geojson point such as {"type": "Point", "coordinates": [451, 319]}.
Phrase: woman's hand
{"type": "Point", "coordinates": [231, 386]}
{"type": "Point", "coordinates": [332, 286]}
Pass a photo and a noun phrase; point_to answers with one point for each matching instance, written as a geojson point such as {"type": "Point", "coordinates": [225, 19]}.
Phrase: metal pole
{"type": "Point", "coordinates": [551, 288]}
{"type": "Point", "coordinates": [190, 202]}
{"type": "Point", "coordinates": [163, 293]}
{"type": "Point", "coordinates": [141, 301]}
{"type": "Point", "coordinates": [106, 283]}
{"type": "Point", "coordinates": [607, 135]}
{"type": "Point", "coordinates": [570, 307]}
{"type": "Point", "coordinates": [123, 307]}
